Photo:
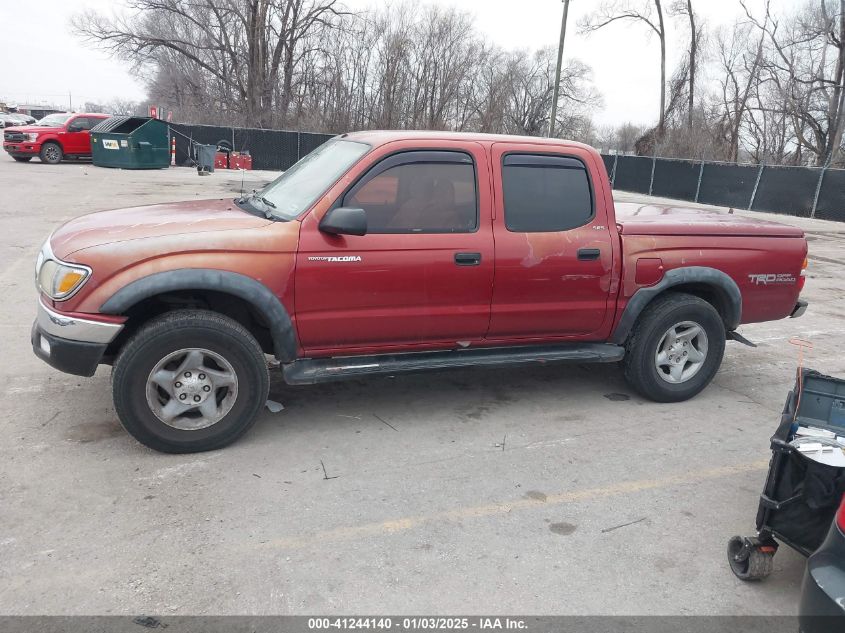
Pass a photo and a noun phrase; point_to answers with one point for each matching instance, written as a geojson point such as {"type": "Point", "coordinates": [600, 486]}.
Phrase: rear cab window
{"type": "Point", "coordinates": [545, 193]}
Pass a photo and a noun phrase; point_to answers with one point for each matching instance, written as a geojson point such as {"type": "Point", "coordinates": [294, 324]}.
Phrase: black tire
{"type": "Point", "coordinates": [754, 565]}
{"type": "Point", "coordinates": [51, 153]}
{"type": "Point", "coordinates": [22, 159]}
{"type": "Point", "coordinates": [661, 314]}
{"type": "Point", "coordinates": [180, 330]}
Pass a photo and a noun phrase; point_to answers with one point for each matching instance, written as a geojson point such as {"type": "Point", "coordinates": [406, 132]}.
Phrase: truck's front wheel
{"type": "Point", "coordinates": [190, 381]}
{"type": "Point", "coordinates": [51, 153]}
{"type": "Point", "coordinates": [675, 349]}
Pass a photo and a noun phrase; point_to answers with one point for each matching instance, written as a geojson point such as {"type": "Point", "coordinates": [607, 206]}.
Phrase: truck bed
{"type": "Point", "coordinates": [640, 219]}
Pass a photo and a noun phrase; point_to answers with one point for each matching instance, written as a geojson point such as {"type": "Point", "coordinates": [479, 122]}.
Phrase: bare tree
{"type": "Point", "coordinates": [272, 62]}
{"type": "Point", "coordinates": [622, 138]}
{"type": "Point", "coordinates": [117, 107]}
{"type": "Point", "coordinates": [807, 63]}
{"type": "Point", "coordinates": [248, 48]}
{"type": "Point", "coordinates": [684, 8]}
{"type": "Point", "coordinates": [643, 11]}
{"type": "Point", "coordinates": [740, 60]}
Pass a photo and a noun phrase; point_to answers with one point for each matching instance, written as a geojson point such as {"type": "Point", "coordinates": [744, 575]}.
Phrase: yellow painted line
{"type": "Point", "coordinates": [394, 526]}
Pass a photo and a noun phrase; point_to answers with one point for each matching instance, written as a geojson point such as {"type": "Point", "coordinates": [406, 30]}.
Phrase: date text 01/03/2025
{"type": "Point", "coordinates": [417, 623]}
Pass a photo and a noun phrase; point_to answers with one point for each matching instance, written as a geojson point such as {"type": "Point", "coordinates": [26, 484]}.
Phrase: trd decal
{"type": "Point", "coordinates": [764, 279]}
{"type": "Point", "coordinates": [342, 258]}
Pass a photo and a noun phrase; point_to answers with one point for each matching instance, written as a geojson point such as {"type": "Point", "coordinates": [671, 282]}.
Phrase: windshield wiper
{"type": "Point", "coordinates": [268, 204]}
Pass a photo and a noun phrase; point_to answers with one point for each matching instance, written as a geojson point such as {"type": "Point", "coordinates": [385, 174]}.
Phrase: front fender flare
{"type": "Point", "coordinates": [253, 292]}
{"type": "Point", "coordinates": [715, 279]}
{"type": "Point", "coordinates": [52, 139]}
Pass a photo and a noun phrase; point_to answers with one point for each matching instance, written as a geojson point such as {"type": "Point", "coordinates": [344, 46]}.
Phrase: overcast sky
{"type": "Point", "coordinates": [44, 61]}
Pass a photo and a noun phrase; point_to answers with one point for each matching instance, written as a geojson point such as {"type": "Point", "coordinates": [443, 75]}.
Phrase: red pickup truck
{"type": "Point", "coordinates": [387, 252]}
{"type": "Point", "coordinates": [53, 138]}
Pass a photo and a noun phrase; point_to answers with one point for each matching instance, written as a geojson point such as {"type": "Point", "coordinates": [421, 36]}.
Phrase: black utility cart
{"type": "Point", "coordinates": [801, 495]}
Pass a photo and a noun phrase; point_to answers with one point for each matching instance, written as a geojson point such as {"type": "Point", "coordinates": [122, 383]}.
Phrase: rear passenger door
{"type": "Point", "coordinates": [554, 257]}
{"type": "Point", "coordinates": [423, 273]}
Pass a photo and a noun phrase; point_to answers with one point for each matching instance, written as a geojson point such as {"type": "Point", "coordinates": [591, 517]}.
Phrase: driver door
{"type": "Point", "coordinates": [76, 137]}
{"type": "Point", "coordinates": [423, 273]}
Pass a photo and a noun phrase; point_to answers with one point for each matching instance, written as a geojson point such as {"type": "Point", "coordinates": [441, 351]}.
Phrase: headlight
{"type": "Point", "coordinates": [31, 136]}
{"type": "Point", "coordinates": [59, 280]}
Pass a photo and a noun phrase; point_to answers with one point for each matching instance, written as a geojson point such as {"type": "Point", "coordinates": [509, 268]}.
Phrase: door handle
{"type": "Point", "coordinates": [468, 259]}
{"type": "Point", "coordinates": [588, 254]}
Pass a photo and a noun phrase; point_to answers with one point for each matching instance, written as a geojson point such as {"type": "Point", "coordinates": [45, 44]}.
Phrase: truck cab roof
{"type": "Point", "coordinates": [381, 137]}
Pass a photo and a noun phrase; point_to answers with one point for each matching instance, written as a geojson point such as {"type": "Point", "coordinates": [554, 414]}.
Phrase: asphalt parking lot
{"type": "Point", "coordinates": [549, 490]}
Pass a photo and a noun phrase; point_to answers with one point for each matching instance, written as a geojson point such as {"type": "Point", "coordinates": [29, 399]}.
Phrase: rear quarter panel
{"type": "Point", "coordinates": [766, 269]}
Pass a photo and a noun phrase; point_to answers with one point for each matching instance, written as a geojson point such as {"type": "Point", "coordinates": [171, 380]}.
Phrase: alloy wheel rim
{"type": "Point", "coordinates": [681, 352]}
{"type": "Point", "coordinates": [192, 389]}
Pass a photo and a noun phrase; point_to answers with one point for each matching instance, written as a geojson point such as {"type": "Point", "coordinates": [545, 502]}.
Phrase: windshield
{"type": "Point", "coordinates": [53, 120]}
{"type": "Point", "coordinates": [297, 189]}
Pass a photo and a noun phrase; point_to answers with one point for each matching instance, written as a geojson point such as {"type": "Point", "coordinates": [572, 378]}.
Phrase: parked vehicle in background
{"type": "Point", "coordinates": [53, 138]}
{"type": "Point", "coordinates": [822, 607]}
{"type": "Point", "coordinates": [7, 120]}
{"type": "Point", "coordinates": [375, 254]}
{"type": "Point", "coordinates": [24, 119]}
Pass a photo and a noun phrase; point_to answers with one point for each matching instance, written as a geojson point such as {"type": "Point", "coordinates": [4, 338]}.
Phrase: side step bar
{"type": "Point", "coordinates": [314, 370]}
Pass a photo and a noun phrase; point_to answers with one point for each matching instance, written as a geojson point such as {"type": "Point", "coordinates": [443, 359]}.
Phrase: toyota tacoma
{"type": "Point", "coordinates": [389, 252]}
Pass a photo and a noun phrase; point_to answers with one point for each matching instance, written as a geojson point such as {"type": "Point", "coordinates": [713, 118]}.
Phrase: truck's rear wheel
{"type": "Point", "coordinates": [51, 153]}
{"type": "Point", "coordinates": [675, 349]}
{"type": "Point", "coordinates": [190, 381]}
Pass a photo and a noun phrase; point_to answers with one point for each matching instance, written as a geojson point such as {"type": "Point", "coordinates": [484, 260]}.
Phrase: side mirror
{"type": "Point", "coordinates": [344, 221]}
{"type": "Point", "coordinates": [74, 127]}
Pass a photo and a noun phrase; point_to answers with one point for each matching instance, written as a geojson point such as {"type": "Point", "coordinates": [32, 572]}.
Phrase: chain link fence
{"type": "Point", "coordinates": [816, 192]}
{"type": "Point", "coordinates": [812, 192]}
{"type": "Point", "coordinates": [270, 149]}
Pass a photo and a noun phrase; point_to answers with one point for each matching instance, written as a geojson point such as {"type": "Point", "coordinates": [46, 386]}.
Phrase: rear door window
{"type": "Point", "coordinates": [544, 193]}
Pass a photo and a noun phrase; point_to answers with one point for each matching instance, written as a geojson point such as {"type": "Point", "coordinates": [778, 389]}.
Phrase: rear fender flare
{"type": "Point", "coordinates": [703, 275]}
{"type": "Point", "coordinates": [253, 292]}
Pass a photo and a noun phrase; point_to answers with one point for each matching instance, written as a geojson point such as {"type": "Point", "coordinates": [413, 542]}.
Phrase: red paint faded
{"type": "Point", "coordinates": [405, 292]}
{"type": "Point", "coordinates": [158, 220]}
{"type": "Point", "coordinates": [640, 219]}
{"type": "Point", "coordinates": [739, 256]}
{"type": "Point", "coordinates": [542, 290]}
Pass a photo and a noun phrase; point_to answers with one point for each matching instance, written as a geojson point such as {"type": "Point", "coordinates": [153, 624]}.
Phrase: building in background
{"type": "Point", "coordinates": [35, 111]}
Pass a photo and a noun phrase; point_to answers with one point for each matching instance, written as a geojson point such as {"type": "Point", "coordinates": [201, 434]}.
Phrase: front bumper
{"type": "Point", "coordinates": [69, 343]}
{"type": "Point", "coordinates": [22, 148]}
{"type": "Point", "coordinates": [799, 309]}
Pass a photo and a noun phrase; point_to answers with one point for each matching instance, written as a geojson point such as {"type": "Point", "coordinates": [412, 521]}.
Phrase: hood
{"type": "Point", "coordinates": [32, 128]}
{"type": "Point", "coordinates": [158, 220]}
{"type": "Point", "coordinates": [640, 219]}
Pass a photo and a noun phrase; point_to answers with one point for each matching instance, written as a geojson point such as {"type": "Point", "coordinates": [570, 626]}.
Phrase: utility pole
{"type": "Point", "coordinates": [556, 94]}
{"type": "Point", "coordinates": [69, 101]}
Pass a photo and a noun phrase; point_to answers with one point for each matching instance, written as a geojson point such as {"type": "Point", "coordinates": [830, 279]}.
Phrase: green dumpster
{"type": "Point", "coordinates": [131, 142]}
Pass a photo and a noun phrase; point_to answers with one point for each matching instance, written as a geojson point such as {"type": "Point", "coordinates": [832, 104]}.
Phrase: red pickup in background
{"type": "Point", "coordinates": [54, 138]}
